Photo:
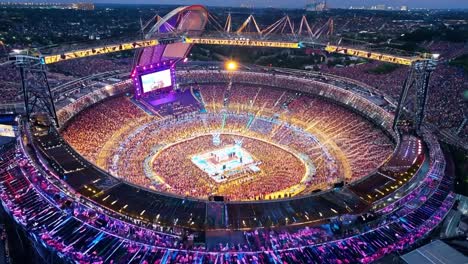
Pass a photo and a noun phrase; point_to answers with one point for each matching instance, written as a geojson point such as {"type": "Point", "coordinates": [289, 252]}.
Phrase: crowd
{"type": "Point", "coordinates": [184, 177]}
{"type": "Point", "coordinates": [278, 169]}
{"type": "Point", "coordinates": [303, 245]}
{"type": "Point", "coordinates": [91, 237]}
{"type": "Point", "coordinates": [93, 127]}
{"type": "Point", "coordinates": [90, 66]}
{"type": "Point", "coordinates": [60, 74]}
{"type": "Point", "coordinates": [448, 84]}
{"type": "Point", "coordinates": [337, 141]}
{"type": "Point", "coordinates": [9, 84]}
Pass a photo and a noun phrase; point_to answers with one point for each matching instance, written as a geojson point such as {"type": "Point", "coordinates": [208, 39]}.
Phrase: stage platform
{"type": "Point", "coordinates": [225, 163]}
{"type": "Point", "coordinates": [170, 103]}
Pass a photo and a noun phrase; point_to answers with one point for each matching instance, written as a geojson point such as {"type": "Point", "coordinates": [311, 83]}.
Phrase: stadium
{"type": "Point", "coordinates": [213, 162]}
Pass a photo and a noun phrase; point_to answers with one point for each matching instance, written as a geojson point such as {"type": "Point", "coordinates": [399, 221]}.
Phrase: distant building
{"type": "Point", "coordinates": [44, 5]}
{"type": "Point", "coordinates": [316, 5]}
{"type": "Point", "coordinates": [83, 6]}
{"type": "Point", "coordinates": [404, 8]}
{"type": "Point", "coordinates": [247, 5]}
{"type": "Point", "coordinates": [380, 7]}
{"type": "Point", "coordinates": [358, 7]}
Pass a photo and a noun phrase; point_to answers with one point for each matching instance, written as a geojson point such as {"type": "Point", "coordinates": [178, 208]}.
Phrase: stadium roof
{"type": "Point", "coordinates": [183, 19]}
{"type": "Point", "coordinates": [436, 252]}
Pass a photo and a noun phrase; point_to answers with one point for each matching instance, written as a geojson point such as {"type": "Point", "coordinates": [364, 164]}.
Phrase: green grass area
{"type": "Point", "coordinates": [461, 61]}
{"type": "Point", "coordinates": [384, 68]}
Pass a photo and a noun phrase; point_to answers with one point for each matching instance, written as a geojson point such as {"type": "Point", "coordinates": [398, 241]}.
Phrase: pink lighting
{"type": "Point", "coordinates": [148, 69]}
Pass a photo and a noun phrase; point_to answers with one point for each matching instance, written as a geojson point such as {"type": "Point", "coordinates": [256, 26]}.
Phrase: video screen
{"type": "Point", "coordinates": [7, 131]}
{"type": "Point", "coordinates": [156, 80]}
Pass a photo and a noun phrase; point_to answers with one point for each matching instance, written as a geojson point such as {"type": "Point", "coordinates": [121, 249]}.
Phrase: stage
{"type": "Point", "coordinates": [226, 163]}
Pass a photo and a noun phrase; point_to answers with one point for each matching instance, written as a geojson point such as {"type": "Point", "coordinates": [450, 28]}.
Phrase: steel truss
{"type": "Point", "coordinates": [36, 89]}
{"type": "Point", "coordinates": [412, 101]}
{"type": "Point", "coordinates": [413, 96]}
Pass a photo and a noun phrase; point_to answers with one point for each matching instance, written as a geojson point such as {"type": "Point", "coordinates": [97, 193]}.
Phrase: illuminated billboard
{"type": "Point", "coordinates": [7, 131]}
{"type": "Point", "coordinates": [156, 80]}
{"type": "Point", "coordinates": [153, 77]}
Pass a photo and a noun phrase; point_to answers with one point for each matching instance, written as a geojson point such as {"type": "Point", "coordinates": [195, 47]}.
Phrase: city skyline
{"type": "Point", "coordinates": [431, 4]}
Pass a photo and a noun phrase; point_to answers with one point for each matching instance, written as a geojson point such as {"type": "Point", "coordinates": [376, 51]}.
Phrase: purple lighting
{"type": "Point", "coordinates": [139, 71]}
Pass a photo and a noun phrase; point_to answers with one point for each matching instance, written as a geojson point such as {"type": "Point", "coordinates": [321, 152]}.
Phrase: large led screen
{"type": "Point", "coordinates": [7, 131]}
{"type": "Point", "coordinates": [156, 80]}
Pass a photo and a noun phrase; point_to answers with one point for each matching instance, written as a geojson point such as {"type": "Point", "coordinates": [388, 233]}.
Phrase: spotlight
{"type": "Point", "coordinates": [231, 65]}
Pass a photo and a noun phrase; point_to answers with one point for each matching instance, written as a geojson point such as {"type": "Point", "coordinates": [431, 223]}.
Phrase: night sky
{"type": "Point", "coordinates": [301, 3]}
{"type": "Point", "coordinates": [284, 3]}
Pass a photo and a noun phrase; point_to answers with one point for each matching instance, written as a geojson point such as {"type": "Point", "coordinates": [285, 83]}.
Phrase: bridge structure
{"type": "Point", "coordinates": [172, 36]}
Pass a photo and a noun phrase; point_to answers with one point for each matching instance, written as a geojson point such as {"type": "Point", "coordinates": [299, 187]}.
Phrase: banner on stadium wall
{"type": "Point", "coordinates": [242, 42]}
